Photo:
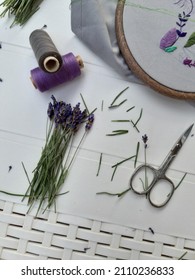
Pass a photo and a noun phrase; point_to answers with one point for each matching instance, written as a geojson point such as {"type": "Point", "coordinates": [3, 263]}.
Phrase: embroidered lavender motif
{"type": "Point", "coordinates": [170, 38]}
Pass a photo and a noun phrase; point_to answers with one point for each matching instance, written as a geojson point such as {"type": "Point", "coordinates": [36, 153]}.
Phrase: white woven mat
{"type": "Point", "coordinates": [61, 236]}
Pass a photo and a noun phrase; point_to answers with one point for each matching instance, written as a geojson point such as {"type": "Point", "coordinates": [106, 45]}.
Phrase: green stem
{"type": "Point", "coordinates": [136, 156]}
{"type": "Point", "coordinates": [145, 171]}
{"type": "Point", "coordinates": [115, 168]}
{"type": "Point", "coordinates": [77, 150]}
{"type": "Point", "coordinates": [120, 162]}
{"type": "Point", "coordinates": [118, 95]}
{"type": "Point", "coordinates": [99, 165]}
{"type": "Point", "coordinates": [115, 194]}
{"type": "Point", "coordinates": [130, 108]}
{"type": "Point", "coordinates": [118, 132]}
{"type": "Point", "coordinates": [181, 181]}
{"type": "Point", "coordinates": [117, 105]}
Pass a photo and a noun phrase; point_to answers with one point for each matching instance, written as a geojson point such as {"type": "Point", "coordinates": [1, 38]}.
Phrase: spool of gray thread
{"type": "Point", "coordinates": [46, 53]}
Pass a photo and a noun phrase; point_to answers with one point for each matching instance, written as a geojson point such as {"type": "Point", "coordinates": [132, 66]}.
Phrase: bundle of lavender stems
{"type": "Point", "coordinates": [64, 121]}
{"type": "Point", "coordinates": [21, 10]}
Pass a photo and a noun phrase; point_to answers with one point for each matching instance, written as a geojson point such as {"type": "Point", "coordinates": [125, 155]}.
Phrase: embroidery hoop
{"type": "Point", "coordinates": [136, 68]}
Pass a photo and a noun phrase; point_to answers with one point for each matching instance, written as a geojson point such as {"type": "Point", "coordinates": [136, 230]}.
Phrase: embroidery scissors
{"type": "Point", "coordinates": [157, 175]}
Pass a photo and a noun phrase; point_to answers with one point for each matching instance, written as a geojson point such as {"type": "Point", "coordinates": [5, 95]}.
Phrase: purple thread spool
{"type": "Point", "coordinates": [70, 69]}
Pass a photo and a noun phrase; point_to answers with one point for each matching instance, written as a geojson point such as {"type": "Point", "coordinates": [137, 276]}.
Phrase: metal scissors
{"type": "Point", "coordinates": [156, 175]}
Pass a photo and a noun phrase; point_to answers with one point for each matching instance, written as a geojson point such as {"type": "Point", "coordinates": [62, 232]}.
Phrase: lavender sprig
{"type": "Point", "coordinates": [145, 183]}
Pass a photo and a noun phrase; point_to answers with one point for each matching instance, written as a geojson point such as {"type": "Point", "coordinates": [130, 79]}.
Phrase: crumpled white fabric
{"type": "Point", "coordinates": [93, 21]}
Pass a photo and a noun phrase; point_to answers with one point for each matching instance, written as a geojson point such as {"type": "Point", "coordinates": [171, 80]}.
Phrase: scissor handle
{"type": "Point", "coordinates": [168, 197]}
{"type": "Point", "coordinates": [157, 176]}
{"type": "Point", "coordinates": [135, 175]}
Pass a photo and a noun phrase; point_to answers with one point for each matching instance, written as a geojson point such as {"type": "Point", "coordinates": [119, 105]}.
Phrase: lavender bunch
{"type": "Point", "coordinates": [64, 121]}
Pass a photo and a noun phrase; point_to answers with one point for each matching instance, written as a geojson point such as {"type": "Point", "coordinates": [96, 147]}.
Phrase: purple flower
{"type": "Point", "coordinates": [77, 117]}
{"type": "Point", "coordinates": [187, 61]}
{"type": "Point", "coordinates": [145, 140]}
{"type": "Point", "coordinates": [50, 111]}
{"type": "Point", "coordinates": [168, 39]}
{"type": "Point", "coordinates": [89, 122]}
{"type": "Point", "coordinates": [68, 117]}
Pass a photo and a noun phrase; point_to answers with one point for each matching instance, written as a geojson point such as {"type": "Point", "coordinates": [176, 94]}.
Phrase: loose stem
{"type": "Point", "coordinates": [137, 152]}
{"type": "Point", "coordinates": [118, 132]}
{"type": "Point", "coordinates": [115, 194]}
{"type": "Point", "coordinates": [118, 95]}
{"type": "Point", "coordinates": [99, 165]}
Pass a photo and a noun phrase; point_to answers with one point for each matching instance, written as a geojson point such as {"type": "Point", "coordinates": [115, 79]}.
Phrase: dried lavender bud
{"type": "Point", "coordinates": [145, 140]}
{"type": "Point", "coordinates": [89, 122]}
{"type": "Point", "coordinates": [44, 26]}
{"type": "Point", "coordinates": [10, 168]}
{"type": "Point", "coordinates": [77, 117]}
{"type": "Point", "coordinates": [50, 111]}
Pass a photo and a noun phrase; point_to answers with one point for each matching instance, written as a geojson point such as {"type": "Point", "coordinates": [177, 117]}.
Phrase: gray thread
{"type": "Point", "coordinates": [46, 53]}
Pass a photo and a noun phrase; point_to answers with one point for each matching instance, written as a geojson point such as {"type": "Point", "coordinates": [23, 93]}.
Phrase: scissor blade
{"type": "Point", "coordinates": [176, 148]}
{"type": "Point", "coordinates": [181, 140]}
{"type": "Point", "coordinates": [187, 132]}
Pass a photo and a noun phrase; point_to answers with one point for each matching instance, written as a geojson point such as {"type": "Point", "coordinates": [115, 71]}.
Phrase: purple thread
{"type": "Point", "coordinates": [169, 39]}
{"type": "Point", "coordinates": [69, 70]}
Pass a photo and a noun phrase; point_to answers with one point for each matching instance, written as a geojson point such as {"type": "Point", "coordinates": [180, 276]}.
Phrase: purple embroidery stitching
{"type": "Point", "coordinates": [189, 62]}
{"type": "Point", "coordinates": [170, 38]}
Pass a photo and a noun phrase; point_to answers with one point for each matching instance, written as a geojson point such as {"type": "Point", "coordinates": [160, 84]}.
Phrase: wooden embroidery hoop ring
{"type": "Point", "coordinates": [135, 67]}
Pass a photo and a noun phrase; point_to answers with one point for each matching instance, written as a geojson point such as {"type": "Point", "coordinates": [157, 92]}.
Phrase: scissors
{"type": "Point", "coordinates": [156, 175]}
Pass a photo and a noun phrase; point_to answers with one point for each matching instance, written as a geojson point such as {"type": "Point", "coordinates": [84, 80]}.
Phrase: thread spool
{"type": "Point", "coordinates": [45, 51]}
{"type": "Point", "coordinates": [71, 68]}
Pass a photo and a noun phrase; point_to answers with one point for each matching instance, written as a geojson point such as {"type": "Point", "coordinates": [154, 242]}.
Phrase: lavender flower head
{"type": "Point", "coordinates": [89, 122]}
{"type": "Point", "coordinates": [67, 117]}
{"type": "Point", "coordinates": [145, 140]}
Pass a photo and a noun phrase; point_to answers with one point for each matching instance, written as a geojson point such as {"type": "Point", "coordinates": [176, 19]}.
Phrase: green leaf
{"type": "Point", "coordinates": [191, 41]}
{"type": "Point", "coordinates": [170, 49]}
